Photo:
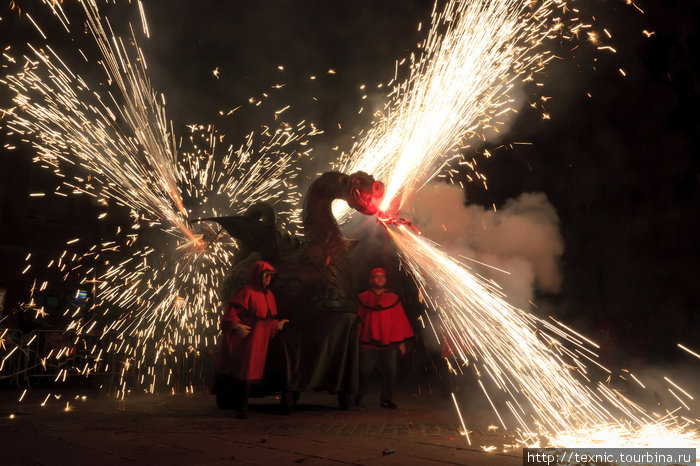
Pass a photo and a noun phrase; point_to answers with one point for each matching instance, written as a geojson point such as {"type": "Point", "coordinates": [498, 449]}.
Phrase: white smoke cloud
{"type": "Point", "coordinates": [522, 237]}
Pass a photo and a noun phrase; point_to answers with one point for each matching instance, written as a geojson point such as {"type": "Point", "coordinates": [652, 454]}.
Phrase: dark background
{"type": "Point", "coordinates": [621, 166]}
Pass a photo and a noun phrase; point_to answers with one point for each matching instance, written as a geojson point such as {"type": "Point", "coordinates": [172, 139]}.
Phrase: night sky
{"type": "Point", "coordinates": [621, 167]}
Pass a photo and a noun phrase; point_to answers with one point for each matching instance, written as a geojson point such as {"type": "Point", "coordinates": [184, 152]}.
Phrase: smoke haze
{"type": "Point", "coordinates": [522, 237]}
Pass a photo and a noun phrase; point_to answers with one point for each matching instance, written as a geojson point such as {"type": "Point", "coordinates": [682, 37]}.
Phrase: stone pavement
{"type": "Point", "coordinates": [184, 430]}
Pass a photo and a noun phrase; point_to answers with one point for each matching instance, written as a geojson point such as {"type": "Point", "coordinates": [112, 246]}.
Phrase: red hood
{"type": "Point", "coordinates": [256, 271]}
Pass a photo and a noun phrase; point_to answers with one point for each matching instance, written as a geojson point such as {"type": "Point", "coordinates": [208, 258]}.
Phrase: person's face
{"type": "Point", "coordinates": [266, 279]}
{"type": "Point", "coordinates": [378, 280]}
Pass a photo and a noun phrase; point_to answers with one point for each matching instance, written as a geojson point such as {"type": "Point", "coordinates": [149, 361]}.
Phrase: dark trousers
{"type": "Point", "coordinates": [232, 393]}
{"type": "Point", "coordinates": [241, 393]}
{"type": "Point", "coordinates": [387, 360]}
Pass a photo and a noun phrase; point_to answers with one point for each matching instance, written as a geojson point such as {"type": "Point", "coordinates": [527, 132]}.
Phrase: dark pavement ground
{"type": "Point", "coordinates": [181, 429]}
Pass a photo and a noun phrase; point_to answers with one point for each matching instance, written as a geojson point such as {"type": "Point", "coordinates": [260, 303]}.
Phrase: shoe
{"type": "Point", "coordinates": [242, 415]}
{"type": "Point", "coordinates": [388, 404]}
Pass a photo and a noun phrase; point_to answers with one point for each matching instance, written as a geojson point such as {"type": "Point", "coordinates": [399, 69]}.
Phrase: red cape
{"type": "Point", "coordinates": [383, 321]}
{"type": "Point", "coordinates": [244, 357]}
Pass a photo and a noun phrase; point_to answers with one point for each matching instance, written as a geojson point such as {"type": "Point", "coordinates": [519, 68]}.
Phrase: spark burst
{"type": "Point", "coordinates": [154, 303]}
{"type": "Point", "coordinates": [540, 366]}
{"type": "Point", "coordinates": [475, 53]}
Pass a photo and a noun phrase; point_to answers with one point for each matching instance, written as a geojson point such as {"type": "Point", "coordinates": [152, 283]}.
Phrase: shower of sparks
{"type": "Point", "coordinates": [475, 53]}
{"type": "Point", "coordinates": [539, 366]}
{"type": "Point", "coordinates": [151, 303]}
{"type": "Point", "coordinates": [127, 150]}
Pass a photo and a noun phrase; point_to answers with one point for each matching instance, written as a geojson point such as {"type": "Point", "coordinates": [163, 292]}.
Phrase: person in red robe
{"type": "Point", "coordinates": [248, 324]}
{"type": "Point", "coordinates": [383, 332]}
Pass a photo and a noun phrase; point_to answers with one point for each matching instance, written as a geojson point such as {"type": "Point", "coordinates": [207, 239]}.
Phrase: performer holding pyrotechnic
{"type": "Point", "coordinates": [248, 324]}
{"type": "Point", "coordinates": [384, 332]}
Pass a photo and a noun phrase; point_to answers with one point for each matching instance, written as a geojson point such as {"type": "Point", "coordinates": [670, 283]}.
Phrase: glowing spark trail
{"type": "Point", "coordinates": [128, 148]}
{"type": "Point", "coordinates": [537, 364]}
{"type": "Point", "coordinates": [474, 55]}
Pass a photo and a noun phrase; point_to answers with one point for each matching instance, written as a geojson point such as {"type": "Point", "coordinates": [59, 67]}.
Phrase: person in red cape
{"type": "Point", "coordinates": [384, 331]}
{"type": "Point", "coordinates": [248, 324]}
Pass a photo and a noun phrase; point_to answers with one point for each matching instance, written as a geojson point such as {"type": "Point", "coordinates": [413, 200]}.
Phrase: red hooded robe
{"type": "Point", "coordinates": [244, 357]}
{"type": "Point", "coordinates": [383, 321]}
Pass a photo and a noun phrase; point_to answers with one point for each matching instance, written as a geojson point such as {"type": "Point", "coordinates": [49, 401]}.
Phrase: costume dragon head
{"type": "Point", "coordinates": [362, 192]}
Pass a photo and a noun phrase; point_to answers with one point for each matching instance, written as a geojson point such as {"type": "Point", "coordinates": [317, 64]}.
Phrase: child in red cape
{"type": "Point", "coordinates": [384, 330]}
{"type": "Point", "coordinates": [248, 324]}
